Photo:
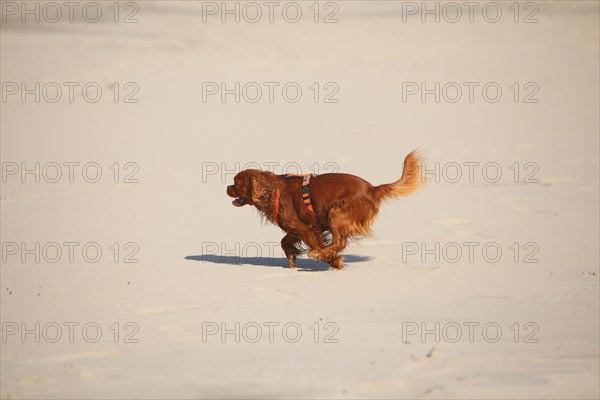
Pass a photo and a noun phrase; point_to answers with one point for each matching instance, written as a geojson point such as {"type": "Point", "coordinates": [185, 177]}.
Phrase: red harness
{"type": "Point", "coordinates": [305, 195]}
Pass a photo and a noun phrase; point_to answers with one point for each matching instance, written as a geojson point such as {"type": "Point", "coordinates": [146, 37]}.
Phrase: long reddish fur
{"type": "Point", "coordinates": [345, 207]}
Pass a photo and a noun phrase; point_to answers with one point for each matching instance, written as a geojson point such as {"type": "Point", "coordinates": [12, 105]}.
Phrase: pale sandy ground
{"type": "Point", "coordinates": [173, 214]}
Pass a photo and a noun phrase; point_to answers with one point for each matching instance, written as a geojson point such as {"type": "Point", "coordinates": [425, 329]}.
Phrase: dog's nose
{"type": "Point", "coordinates": [230, 187]}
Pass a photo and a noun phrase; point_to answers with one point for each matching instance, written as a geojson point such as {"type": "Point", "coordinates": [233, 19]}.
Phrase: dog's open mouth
{"type": "Point", "coordinates": [238, 202]}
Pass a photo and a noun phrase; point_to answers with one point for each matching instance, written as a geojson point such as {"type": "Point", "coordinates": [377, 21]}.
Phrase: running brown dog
{"type": "Point", "coordinates": [322, 212]}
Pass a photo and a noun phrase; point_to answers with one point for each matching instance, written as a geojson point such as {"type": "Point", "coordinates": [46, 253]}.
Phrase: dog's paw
{"type": "Point", "coordinates": [316, 254]}
{"type": "Point", "coordinates": [337, 263]}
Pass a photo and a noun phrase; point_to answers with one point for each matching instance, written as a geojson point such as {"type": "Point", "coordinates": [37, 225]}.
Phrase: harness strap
{"type": "Point", "coordinates": [306, 193]}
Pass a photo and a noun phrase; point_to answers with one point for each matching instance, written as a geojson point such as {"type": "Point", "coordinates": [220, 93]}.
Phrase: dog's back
{"type": "Point", "coordinates": [351, 203]}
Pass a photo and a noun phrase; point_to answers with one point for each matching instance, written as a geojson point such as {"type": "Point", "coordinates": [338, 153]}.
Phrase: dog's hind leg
{"type": "Point", "coordinates": [289, 244]}
{"type": "Point", "coordinates": [315, 240]}
{"type": "Point", "coordinates": [339, 238]}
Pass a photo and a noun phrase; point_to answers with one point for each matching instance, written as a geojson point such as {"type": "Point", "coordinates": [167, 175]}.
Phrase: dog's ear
{"type": "Point", "coordinates": [261, 185]}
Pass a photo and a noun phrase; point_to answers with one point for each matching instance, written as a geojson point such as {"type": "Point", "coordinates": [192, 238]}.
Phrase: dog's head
{"type": "Point", "coordinates": [249, 187]}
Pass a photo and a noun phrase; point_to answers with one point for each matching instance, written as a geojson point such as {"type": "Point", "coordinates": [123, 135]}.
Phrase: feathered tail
{"type": "Point", "coordinates": [409, 182]}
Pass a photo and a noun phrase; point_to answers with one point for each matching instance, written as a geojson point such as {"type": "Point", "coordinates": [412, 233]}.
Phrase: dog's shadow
{"type": "Point", "coordinates": [302, 264]}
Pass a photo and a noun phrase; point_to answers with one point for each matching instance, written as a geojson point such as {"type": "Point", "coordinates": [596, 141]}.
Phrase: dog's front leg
{"type": "Point", "coordinates": [288, 244]}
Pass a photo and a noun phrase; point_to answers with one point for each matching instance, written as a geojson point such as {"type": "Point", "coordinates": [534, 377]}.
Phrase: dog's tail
{"type": "Point", "coordinates": [409, 182]}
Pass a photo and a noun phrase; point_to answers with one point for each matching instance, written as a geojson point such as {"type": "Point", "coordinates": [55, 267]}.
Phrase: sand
{"type": "Point", "coordinates": [190, 297]}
